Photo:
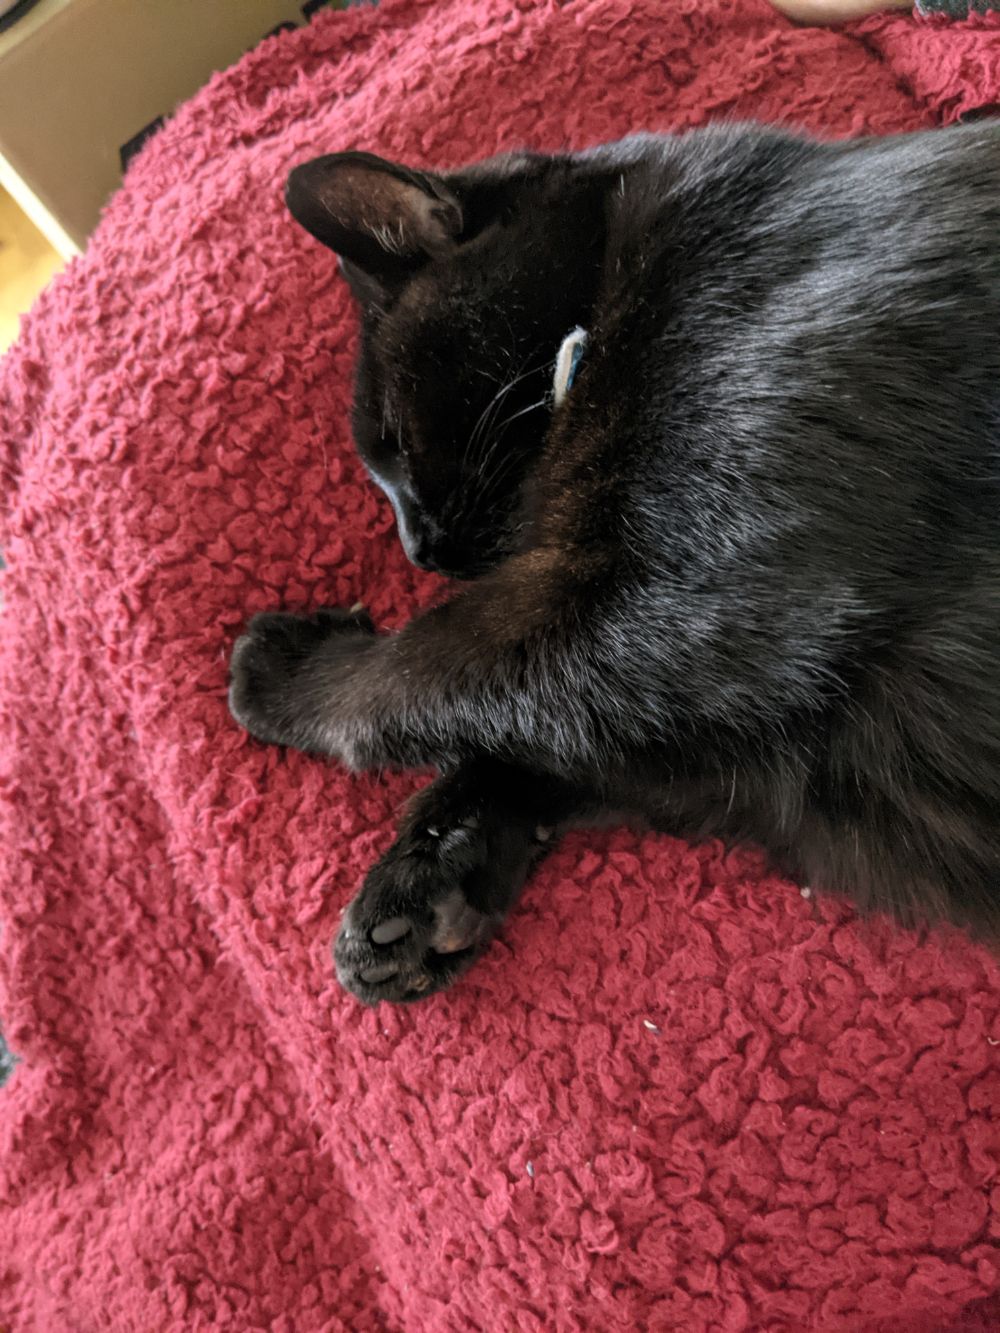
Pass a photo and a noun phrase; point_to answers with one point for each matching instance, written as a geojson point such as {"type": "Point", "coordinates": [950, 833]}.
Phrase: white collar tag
{"type": "Point", "coordinates": [568, 358]}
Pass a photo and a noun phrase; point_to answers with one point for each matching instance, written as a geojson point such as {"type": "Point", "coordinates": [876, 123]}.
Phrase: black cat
{"type": "Point", "coordinates": [713, 421]}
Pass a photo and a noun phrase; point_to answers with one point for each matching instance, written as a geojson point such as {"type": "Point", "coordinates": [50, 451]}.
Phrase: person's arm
{"type": "Point", "coordinates": [817, 13]}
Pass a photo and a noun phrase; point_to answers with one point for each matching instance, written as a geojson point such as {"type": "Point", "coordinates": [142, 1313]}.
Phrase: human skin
{"type": "Point", "coordinates": [818, 13]}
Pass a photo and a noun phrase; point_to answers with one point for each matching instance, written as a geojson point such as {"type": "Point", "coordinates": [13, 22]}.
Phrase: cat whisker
{"type": "Point", "coordinates": [482, 425]}
{"type": "Point", "coordinates": [497, 461]}
{"type": "Point", "coordinates": [489, 482]}
{"type": "Point", "coordinates": [483, 428]}
{"type": "Point", "coordinates": [530, 408]}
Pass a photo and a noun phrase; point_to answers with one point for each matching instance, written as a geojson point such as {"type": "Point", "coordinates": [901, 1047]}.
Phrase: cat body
{"type": "Point", "coordinates": [739, 578]}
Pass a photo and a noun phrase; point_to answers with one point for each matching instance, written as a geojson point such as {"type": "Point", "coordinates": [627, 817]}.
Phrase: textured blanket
{"type": "Point", "coordinates": [678, 1093]}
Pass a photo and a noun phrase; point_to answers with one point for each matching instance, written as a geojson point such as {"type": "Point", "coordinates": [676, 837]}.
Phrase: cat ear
{"type": "Point", "coordinates": [382, 219]}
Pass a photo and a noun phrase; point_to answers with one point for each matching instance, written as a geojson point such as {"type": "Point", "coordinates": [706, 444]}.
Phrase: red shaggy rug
{"type": "Point", "coordinates": [677, 1094]}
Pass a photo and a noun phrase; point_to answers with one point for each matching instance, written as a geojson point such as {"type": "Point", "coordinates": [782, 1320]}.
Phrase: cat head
{"type": "Point", "coordinates": [467, 283]}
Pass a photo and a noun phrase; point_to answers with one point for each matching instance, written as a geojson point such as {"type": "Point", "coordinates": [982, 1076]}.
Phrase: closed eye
{"type": "Point", "coordinates": [377, 443]}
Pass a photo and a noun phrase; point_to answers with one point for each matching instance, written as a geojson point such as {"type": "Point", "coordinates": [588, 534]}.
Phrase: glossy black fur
{"type": "Point", "coordinates": [744, 581]}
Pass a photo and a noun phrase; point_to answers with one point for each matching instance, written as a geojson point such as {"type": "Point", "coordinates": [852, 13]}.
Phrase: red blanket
{"type": "Point", "coordinates": [678, 1094]}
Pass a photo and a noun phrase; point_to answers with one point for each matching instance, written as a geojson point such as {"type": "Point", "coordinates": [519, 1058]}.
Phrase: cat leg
{"type": "Point", "coordinates": [433, 902]}
{"type": "Point", "coordinates": [511, 667]}
{"type": "Point", "coordinates": [470, 688]}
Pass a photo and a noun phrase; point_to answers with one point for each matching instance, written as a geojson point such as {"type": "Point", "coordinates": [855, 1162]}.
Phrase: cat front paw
{"type": "Point", "coordinates": [271, 662]}
{"type": "Point", "coordinates": [413, 929]}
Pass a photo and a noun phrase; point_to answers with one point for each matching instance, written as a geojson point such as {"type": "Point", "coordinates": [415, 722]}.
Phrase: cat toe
{"type": "Point", "coordinates": [411, 930]}
{"type": "Point", "coordinates": [407, 968]}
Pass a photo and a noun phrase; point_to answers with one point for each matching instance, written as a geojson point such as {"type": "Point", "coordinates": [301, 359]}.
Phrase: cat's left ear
{"type": "Point", "coordinates": [383, 219]}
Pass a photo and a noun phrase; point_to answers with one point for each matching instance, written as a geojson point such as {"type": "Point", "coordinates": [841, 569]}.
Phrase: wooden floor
{"type": "Point", "coordinates": [27, 261]}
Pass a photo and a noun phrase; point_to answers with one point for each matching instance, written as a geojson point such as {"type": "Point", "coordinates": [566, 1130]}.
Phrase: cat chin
{"type": "Point", "coordinates": [468, 571]}
{"type": "Point", "coordinates": [467, 574]}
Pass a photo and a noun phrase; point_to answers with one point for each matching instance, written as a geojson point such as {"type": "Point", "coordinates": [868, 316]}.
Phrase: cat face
{"type": "Point", "coordinates": [467, 285]}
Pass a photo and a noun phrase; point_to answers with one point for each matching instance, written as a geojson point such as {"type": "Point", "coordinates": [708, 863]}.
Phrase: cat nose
{"type": "Point", "coordinates": [419, 548]}
{"type": "Point", "coordinates": [424, 560]}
